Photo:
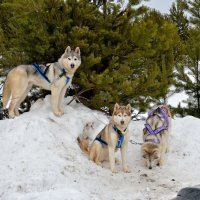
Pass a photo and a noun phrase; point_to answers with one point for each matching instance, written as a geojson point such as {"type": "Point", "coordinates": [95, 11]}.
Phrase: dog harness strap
{"type": "Point", "coordinates": [38, 69]}
{"type": "Point", "coordinates": [101, 141]}
{"type": "Point", "coordinates": [63, 73]}
{"type": "Point", "coordinates": [120, 133]}
{"type": "Point", "coordinates": [155, 132]}
{"type": "Point", "coordinates": [67, 80]}
{"type": "Point", "coordinates": [151, 132]}
{"type": "Point", "coordinates": [162, 128]}
{"type": "Point", "coordinates": [120, 141]}
{"type": "Point", "coordinates": [46, 68]}
{"type": "Point", "coordinates": [121, 136]}
{"type": "Point", "coordinates": [165, 117]}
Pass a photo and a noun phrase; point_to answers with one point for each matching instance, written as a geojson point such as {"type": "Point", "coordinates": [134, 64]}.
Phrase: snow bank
{"type": "Point", "coordinates": [40, 159]}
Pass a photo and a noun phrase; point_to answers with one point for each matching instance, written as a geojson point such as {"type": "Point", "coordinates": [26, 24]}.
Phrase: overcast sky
{"type": "Point", "coordinates": [161, 5]}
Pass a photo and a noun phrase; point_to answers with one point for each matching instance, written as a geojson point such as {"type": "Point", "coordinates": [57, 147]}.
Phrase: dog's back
{"type": "Point", "coordinates": [156, 136]}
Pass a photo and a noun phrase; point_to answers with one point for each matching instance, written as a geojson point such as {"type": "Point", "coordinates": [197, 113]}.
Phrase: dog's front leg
{"type": "Point", "coordinates": [124, 158]}
{"type": "Point", "coordinates": [55, 95]}
{"type": "Point", "coordinates": [162, 157]}
{"type": "Point", "coordinates": [61, 99]}
{"type": "Point", "coordinates": [111, 151]}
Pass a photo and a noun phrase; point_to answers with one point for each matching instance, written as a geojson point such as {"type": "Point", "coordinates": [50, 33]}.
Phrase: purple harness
{"type": "Point", "coordinates": [158, 130]}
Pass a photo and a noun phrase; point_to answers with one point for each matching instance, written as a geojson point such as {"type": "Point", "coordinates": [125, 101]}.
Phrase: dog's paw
{"type": "Point", "coordinates": [161, 162]}
{"type": "Point", "coordinates": [58, 113]}
{"type": "Point", "coordinates": [17, 113]}
{"type": "Point", "coordinates": [98, 163]}
{"type": "Point", "coordinates": [11, 115]}
{"type": "Point", "coordinates": [127, 170]}
{"type": "Point", "coordinates": [114, 170]}
{"type": "Point", "coordinates": [61, 112]}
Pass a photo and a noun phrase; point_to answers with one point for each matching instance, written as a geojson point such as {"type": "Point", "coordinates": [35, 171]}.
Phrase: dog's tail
{"type": "Point", "coordinates": [6, 93]}
{"type": "Point", "coordinates": [84, 144]}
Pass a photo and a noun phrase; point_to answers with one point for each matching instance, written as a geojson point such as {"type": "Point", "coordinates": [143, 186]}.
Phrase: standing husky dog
{"type": "Point", "coordinates": [21, 79]}
{"type": "Point", "coordinates": [114, 135]}
{"type": "Point", "coordinates": [156, 136]}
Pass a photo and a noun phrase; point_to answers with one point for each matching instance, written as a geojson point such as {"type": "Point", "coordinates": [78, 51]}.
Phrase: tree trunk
{"type": "Point", "coordinates": [198, 93]}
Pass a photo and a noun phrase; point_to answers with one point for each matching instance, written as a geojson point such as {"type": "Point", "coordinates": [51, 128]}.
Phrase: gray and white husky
{"type": "Point", "coordinates": [21, 79]}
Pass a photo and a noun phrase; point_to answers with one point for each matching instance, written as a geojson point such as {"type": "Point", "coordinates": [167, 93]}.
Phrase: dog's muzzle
{"type": "Point", "coordinates": [122, 122]}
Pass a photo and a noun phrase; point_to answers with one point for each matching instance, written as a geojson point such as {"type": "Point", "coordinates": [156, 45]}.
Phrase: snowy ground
{"type": "Point", "coordinates": [40, 159]}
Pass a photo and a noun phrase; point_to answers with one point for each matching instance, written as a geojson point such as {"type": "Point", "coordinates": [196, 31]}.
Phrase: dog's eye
{"type": "Point", "coordinates": [75, 58]}
{"type": "Point", "coordinates": [144, 156]}
{"type": "Point", "coordinates": [125, 115]}
{"type": "Point", "coordinates": [69, 58]}
{"type": "Point", "coordinates": [119, 115]}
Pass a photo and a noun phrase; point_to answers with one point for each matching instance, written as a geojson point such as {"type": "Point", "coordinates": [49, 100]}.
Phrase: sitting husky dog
{"type": "Point", "coordinates": [59, 77]}
{"type": "Point", "coordinates": [156, 135]}
{"type": "Point", "coordinates": [114, 135]}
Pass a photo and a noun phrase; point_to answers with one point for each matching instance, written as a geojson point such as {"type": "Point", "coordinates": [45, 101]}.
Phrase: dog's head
{"type": "Point", "coordinates": [71, 60]}
{"type": "Point", "coordinates": [121, 115]}
{"type": "Point", "coordinates": [151, 154]}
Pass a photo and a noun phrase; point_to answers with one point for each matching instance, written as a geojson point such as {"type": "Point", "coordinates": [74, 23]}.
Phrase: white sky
{"type": "Point", "coordinates": [162, 5]}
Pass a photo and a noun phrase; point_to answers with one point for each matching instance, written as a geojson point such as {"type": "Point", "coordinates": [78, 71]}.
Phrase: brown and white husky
{"type": "Point", "coordinates": [114, 135]}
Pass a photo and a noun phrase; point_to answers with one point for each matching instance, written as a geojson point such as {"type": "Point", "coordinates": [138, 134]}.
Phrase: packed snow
{"type": "Point", "coordinates": [41, 160]}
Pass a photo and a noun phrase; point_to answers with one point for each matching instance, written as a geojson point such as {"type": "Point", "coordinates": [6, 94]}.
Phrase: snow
{"type": "Point", "coordinates": [41, 160]}
{"type": "Point", "coordinates": [177, 98]}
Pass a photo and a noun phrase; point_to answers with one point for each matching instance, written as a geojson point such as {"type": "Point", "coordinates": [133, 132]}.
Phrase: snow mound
{"type": "Point", "coordinates": [41, 160]}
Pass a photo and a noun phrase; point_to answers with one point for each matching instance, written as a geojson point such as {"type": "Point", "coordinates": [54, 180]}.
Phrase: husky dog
{"type": "Point", "coordinates": [113, 136]}
{"type": "Point", "coordinates": [155, 135]}
{"type": "Point", "coordinates": [59, 74]}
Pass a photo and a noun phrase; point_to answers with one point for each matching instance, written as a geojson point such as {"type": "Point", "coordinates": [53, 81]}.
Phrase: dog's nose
{"type": "Point", "coordinates": [72, 65]}
{"type": "Point", "coordinates": [150, 167]}
{"type": "Point", "coordinates": [122, 122]}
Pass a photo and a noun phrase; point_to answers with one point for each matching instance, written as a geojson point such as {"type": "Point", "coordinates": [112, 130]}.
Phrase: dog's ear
{"type": "Point", "coordinates": [68, 49]}
{"type": "Point", "coordinates": [116, 106]}
{"type": "Point", "coordinates": [77, 50]}
{"type": "Point", "coordinates": [129, 107]}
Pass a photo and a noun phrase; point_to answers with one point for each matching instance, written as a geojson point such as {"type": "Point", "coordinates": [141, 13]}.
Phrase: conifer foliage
{"type": "Point", "coordinates": [128, 51]}
{"type": "Point", "coordinates": [188, 70]}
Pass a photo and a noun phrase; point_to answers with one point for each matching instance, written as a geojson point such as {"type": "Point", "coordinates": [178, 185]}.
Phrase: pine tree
{"type": "Point", "coordinates": [158, 46]}
{"type": "Point", "coordinates": [178, 16]}
{"type": "Point", "coordinates": [36, 30]}
{"type": "Point", "coordinates": [128, 52]}
{"type": "Point", "coordinates": [189, 72]}
{"type": "Point", "coordinates": [193, 9]}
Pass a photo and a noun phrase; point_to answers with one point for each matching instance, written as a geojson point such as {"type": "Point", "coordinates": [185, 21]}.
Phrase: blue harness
{"type": "Point", "coordinates": [120, 134]}
{"type": "Point", "coordinates": [40, 72]}
{"type": "Point", "coordinates": [43, 74]}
